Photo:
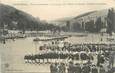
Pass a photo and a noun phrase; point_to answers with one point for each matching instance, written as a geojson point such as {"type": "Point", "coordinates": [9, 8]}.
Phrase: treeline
{"type": "Point", "coordinates": [108, 23]}
{"type": "Point", "coordinates": [13, 19]}
{"type": "Point", "coordinates": [101, 24]}
{"type": "Point", "coordinates": [92, 26]}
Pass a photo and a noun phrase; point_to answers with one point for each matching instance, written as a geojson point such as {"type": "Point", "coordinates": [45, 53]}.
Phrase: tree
{"type": "Point", "coordinates": [90, 26]}
{"type": "Point", "coordinates": [98, 24]}
{"type": "Point", "coordinates": [68, 26]}
{"type": "Point", "coordinates": [110, 21]}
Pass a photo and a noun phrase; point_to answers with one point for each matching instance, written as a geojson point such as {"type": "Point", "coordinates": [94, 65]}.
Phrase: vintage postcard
{"type": "Point", "coordinates": [57, 36]}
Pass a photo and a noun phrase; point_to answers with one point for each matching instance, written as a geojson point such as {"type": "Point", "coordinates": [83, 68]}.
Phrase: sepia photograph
{"type": "Point", "coordinates": [57, 36]}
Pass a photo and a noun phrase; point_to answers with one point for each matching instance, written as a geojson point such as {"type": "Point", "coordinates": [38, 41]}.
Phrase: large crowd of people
{"type": "Point", "coordinates": [75, 58]}
{"type": "Point", "coordinates": [77, 68]}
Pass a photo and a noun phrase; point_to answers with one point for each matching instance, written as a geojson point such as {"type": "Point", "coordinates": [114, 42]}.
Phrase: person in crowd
{"type": "Point", "coordinates": [61, 67]}
{"type": "Point", "coordinates": [101, 70]}
{"type": "Point", "coordinates": [111, 70]}
{"type": "Point", "coordinates": [52, 66]}
{"type": "Point", "coordinates": [56, 68]}
{"type": "Point", "coordinates": [111, 59]}
{"type": "Point", "coordinates": [86, 68]}
{"type": "Point", "coordinates": [102, 59]}
{"type": "Point", "coordinates": [94, 69]}
{"type": "Point", "coordinates": [98, 59]}
{"type": "Point", "coordinates": [71, 67]}
{"type": "Point", "coordinates": [77, 68]}
{"type": "Point", "coordinates": [89, 62]}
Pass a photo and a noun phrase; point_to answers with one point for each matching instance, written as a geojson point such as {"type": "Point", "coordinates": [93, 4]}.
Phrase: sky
{"type": "Point", "coordinates": [55, 9]}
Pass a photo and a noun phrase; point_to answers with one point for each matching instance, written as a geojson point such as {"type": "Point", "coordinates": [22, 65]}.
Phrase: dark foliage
{"type": "Point", "coordinates": [19, 20]}
{"type": "Point", "coordinates": [110, 21]}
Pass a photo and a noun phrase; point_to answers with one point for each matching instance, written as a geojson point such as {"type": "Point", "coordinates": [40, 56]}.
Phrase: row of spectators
{"type": "Point", "coordinates": [102, 54]}
{"type": "Point", "coordinates": [77, 68]}
{"type": "Point", "coordinates": [77, 47]}
{"type": "Point", "coordinates": [47, 57]}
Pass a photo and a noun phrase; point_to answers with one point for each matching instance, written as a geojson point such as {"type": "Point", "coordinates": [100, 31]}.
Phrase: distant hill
{"type": "Point", "coordinates": [84, 15]}
{"type": "Point", "coordinates": [92, 15]}
{"type": "Point", "coordinates": [93, 21]}
{"type": "Point", "coordinates": [15, 18]}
